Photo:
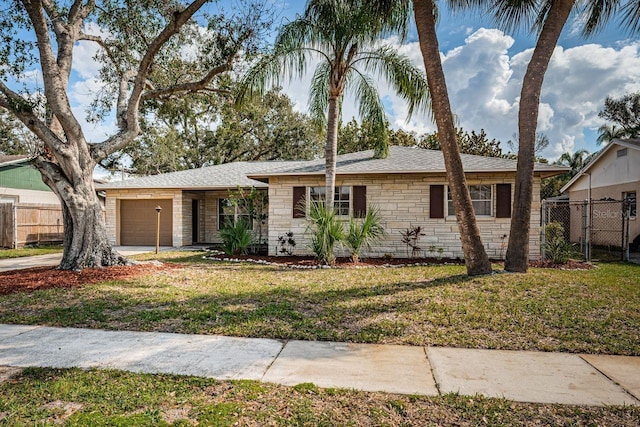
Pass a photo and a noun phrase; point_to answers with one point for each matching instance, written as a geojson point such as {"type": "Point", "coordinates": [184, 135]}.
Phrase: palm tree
{"type": "Point", "coordinates": [575, 161]}
{"type": "Point", "coordinates": [548, 17]}
{"type": "Point", "coordinates": [608, 133]}
{"type": "Point", "coordinates": [476, 259]}
{"type": "Point", "coordinates": [344, 35]}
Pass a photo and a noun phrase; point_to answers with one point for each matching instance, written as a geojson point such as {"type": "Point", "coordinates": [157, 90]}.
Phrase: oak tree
{"type": "Point", "coordinates": [150, 51]}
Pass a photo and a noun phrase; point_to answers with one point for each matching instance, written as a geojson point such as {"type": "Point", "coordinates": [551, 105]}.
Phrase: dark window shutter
{"type": "Point", "coordinates": [359, 201]}
{"type": "Point", "coordinates": [503, 201]}
{"type": "Point", "coordinates": [298, 200]}
{"type": "Point", "coordinates": [436, 201]}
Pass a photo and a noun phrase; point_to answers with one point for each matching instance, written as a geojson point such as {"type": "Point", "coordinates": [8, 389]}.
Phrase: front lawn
{"type": "Point", "coordinates": [30, 251]}
{"type": "Point", "coordinates": [89, 398]}
{"type": "Point", "coordinates": [594, 311]}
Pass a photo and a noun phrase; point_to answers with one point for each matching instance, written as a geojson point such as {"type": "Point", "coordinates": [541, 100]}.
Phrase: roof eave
{"type": "Point", "coordinates": [547, 172]}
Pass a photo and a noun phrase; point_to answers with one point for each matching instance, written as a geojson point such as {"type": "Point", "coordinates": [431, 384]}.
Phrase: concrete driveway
{"type": "Point", "coordinates": [51, 260]}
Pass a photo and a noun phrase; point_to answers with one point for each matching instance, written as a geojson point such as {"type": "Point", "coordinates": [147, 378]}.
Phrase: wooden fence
{"type": "Point", "coordinates": [29, 224]}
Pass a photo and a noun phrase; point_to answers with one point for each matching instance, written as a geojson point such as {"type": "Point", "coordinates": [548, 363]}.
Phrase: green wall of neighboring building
{"type": "Point", "coordinates": [23, 176]}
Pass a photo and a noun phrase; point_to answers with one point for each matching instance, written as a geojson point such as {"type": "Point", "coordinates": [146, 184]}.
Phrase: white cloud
{"type": "Point", "coordinates": [84, 51]}
{"type": "Point", "coordinates": [484, 85]}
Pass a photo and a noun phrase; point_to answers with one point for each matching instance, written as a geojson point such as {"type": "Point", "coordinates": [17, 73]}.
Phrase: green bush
{"type": "Point", "coordinates": [236, 238]}
{"type": "Point", "coordinates": [326, 232]}
{"type": "Point", "coordinates": [363, 233]}
{"type": "Point", "coordinates": [556, 248]}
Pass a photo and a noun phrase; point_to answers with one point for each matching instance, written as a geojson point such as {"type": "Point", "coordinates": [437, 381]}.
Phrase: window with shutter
{"type": "Point", "coordinates": [503, 200]}
{"type": "Point", "coordinates": [436, 201]}
{"type": "Point", "coordinates": [359, 201]}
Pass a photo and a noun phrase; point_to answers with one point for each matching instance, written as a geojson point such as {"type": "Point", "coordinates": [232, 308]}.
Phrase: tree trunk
{"type": "Point", "coordinates": [475, 256]}
{"type": "Point", "coordinates": [517, 258]}
{"type": "Point", "coordinates": [85, 235]}
{"type": "Point", "coordinates": [331, 150]}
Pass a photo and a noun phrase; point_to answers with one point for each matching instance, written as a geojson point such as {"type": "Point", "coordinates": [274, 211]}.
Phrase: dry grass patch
{"type": "Point", "coordinates": [39, 396]}
{"type": "Point", "coordinates": [595, 311]}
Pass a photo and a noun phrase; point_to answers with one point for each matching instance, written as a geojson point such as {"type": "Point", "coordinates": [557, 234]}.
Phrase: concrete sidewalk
{"type": "Point", "coordinates": [520, 376]}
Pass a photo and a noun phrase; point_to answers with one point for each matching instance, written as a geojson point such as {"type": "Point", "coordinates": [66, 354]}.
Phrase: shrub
{"type": "Point", "coordinates": [363, 233]}
{"type": "Point", "coordinates": [326, 232]}
{"type": "Point", "coordinates": [236, 238]}
{"type": "Point", "coordinates": [556, 248]}
{"type": "Point", "coordinates": [286, 244]}
{"type": "Point", "coordinates": [411, 238]}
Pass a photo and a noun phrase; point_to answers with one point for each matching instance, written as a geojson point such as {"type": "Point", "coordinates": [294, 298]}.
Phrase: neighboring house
{"type": "Point", "coordinates": [409, 187]}
{"type": "Point", "coordinates": [613, 174]}
{"type": "Point", "coordinates": [21, 182]}
{"type": "Point", "coordinates": [29, 211]}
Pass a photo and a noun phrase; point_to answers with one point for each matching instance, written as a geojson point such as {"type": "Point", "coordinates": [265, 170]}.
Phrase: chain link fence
{"type": "Point", "coordinates": [591, 229]}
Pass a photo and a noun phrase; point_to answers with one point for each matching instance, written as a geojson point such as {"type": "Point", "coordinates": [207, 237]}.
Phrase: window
{"type": "Point", "coordinates": [481, 198]}
{"type": "Point", "coordinates": [341, 198]}
{"type": "Point", "coordinates": [630, 197]}
{"type": "Point", "coordinates": [230, 213]}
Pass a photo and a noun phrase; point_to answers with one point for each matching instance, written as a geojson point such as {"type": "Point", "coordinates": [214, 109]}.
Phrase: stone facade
{"type": "Point", "coordinates": [403, 200]}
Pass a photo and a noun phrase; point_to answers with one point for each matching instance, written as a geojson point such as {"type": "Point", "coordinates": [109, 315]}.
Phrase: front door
{"type": "Point", "coordinates": [195, 235]}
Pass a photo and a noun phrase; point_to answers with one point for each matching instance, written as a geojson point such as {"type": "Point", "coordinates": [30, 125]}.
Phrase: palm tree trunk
{"type": "Point", "coordinates": [517, 258]}
{"type": "Point", "coordinates": [475, 256]}
{"type": "Point", "coordinates": [331, 150]}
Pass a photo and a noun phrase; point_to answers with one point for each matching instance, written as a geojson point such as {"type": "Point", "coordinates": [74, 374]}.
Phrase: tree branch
{"type": "Point", "coordinates": [192, 86]}
{"type": "Point", "coordinates": [179, 19]}
{"type": "Point", "coordinates": [100, 42]}
{"type": "Point", "coordinates": [11, 101]}
{"type": "Point", "coordinates": [128, 112]}
{"type": "Point", "coordinates": [54, 85]}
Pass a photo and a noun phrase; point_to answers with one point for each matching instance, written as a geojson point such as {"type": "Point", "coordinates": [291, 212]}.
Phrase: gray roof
{"type": "Point", "coordinates": [406, 160]}
{"type": "Point", "coordinates": [228, 175]}
{"type": "Point", "coordinates": [245, 174]}
{"type": "Point", "coordinates": [14, 158]}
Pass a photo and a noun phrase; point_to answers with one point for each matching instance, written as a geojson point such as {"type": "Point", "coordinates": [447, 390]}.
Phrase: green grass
{"type": "Point", "coordinates": [94, 398]}
{"type": "Point", "coordinates": [30, 251]}
{"type": "Point", "coordinates": [595, 311]}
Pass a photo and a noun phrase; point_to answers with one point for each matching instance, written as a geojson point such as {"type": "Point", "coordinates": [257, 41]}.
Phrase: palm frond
{"type": "Point", "coordinates": [370, 109]}
{"type": "Point", "coordinates": [408, 81]}
{"type": "Point", "coordinates": [510, 15]}
{"type": "Point", "coordinates": [288, 59]}
{"type": "Point", "coordinates": [365, 92]}
{"type": "Point", "coordinates": [631, 16]}
{"type": "Point", "coordinates": [319, 94]}
{"type": "Point", "coordinates": [596, 13]}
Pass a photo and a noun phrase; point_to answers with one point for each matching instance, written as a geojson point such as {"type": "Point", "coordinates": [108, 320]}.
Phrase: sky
{"type": "Point", "coordinates": [483, 66]}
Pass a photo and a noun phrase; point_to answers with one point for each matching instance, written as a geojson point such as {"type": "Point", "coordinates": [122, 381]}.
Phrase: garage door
{"type": "Point", "coordinates": [138, 222]}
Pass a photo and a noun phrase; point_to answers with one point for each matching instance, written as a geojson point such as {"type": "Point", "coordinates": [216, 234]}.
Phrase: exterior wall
{"type": "Point", "coordinates": [403, 200]}
{"type": "Point", "coordinates": [603, 192]}
{"type": "Point", "coordinates": [611, 171]}
{"type": "Point", "coordinates": [211, 225]}
{"type": "Point", "coordinates": [14, 195]}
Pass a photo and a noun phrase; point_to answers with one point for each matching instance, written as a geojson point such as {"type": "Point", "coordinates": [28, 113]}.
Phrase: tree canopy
{"type": "Point", "coordinates": [354, 136]}
{"type": "Point", "coordinates": [624, 113]}
{"type": "Point", "coordinates": [197, 131]}
{"type": "Point", "coordinates": [150, 53]}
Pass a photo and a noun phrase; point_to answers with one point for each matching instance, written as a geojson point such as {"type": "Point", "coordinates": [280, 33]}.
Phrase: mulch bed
{"type": "Point", "coordinates": [32, 279]}
{"type": "Point", "coordinates": [309, 262]}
